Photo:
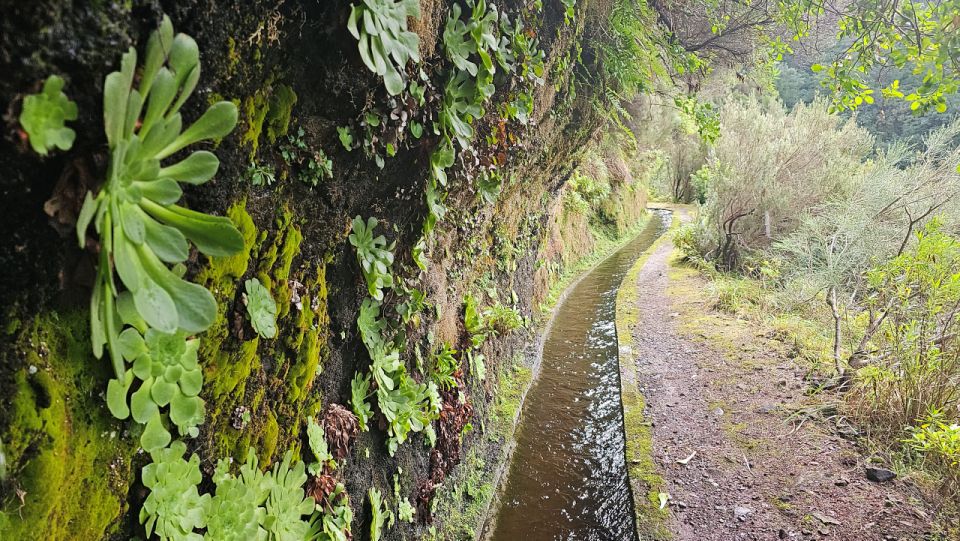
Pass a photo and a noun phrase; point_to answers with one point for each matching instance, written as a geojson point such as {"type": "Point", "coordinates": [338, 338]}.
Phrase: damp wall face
{"type": "Point", "coordinates": [294, 73]}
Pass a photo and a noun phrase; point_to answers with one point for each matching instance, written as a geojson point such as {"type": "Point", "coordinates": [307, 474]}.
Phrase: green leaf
{"type": "Point", "coordinates": [142, 405]}
{"type": "Point", "coordinates": [816, 68]}
{"type": "Point", "coordinates": [162, 391]}
{"type": "Point", "coordinates": [156, 306]}
{"type": "Point", "coordinates": [261, 308]}
{"type": "Point", "coordinates": [197, 168]}
{"type": "Point", "coordinates": [131, 344]}
{"type": "Point", "coordinates": [87, 212]}
{"type": "Point", "coordinates": [215, 236]}
{"type": "Point", "coordinates": [216, 122]}
{"type": "Point", "coordinates": [185, 410]}
{"type": "Point", "coordinates": [117, 396]}
{"type": "Point", "coordinates": [155, 436]}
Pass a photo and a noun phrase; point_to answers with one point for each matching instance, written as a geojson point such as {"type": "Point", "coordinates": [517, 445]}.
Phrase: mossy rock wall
{"type": "Point", "coordinates": [293, 69]}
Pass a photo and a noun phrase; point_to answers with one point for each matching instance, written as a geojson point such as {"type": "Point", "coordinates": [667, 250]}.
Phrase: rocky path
{"type": "Point", "coordinates": [719, 394]}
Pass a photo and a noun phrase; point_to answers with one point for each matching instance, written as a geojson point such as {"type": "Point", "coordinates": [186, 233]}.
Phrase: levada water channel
{"type": "Point", "coordinates": [568, 476]}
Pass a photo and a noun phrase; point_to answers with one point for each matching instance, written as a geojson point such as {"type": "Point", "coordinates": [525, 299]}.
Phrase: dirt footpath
{"type": "Point", "coordinates": [718, 394]}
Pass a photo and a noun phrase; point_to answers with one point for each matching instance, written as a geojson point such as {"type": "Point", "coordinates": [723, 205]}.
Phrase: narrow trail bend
{"type": "Point", "coordinates": [717, 386]}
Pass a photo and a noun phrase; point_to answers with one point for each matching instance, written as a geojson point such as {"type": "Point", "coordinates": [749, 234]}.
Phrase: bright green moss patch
{"type": "Point", "coordinates": [62, 445]}
{"type": "Point", "coordinates": [255, 109]}
{"type": "Point", "coordinates": [278, 118]}
{"type": "Point", "coordinates": [309, 341]}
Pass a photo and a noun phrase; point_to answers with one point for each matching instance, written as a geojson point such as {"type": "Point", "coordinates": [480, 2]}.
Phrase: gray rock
{"type": "Point", "coordinates": [880, 475]}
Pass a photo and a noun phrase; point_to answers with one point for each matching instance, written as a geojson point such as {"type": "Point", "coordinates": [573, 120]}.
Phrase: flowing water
{"type": "Point", "coordinates": [568, 477]}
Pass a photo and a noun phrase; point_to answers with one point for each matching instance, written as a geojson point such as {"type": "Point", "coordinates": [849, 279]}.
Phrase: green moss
{"type": "Point", "coordinates": [233, 56]}
{"type": "Point", "coordinates": [255, 110]}
{"type": "Point", "coordinates": [269, 434]}
{"type": "Point", "coordinates": [61, 442]}
{"type": "Point", "coordinates": [278, 118]}
{"type": "Point", "coordinates": [310, 339]}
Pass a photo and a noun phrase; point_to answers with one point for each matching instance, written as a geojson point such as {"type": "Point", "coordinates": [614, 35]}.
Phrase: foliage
{"type": "Point", "coordinates": [166, 365]}
{"type": "Point", "coordinates": [938, 441]}
{"type": "Point", "coordinates": [382, 516]}
{"type": "Point", "coordinates": [43, 116]}
{"type": "Point", "coordinates": [405, 511]}
{"type": "Point", "coordinates": [359, 390]}
{"type": "Point", "coordinates": [489, 184]}
{"type": "Point", "coordinates": [374, 255]}
{"type": "Point", "coordinates": [317, 440]}
{"type": "Point", "coordinates": [261, 175]}
{"type": "Point", "coordinates": [414, 302]}
{"type": "Point", "coordinates": [141, 228]}
{"type": "Point", "coordinates": [908, 34]}
{"type": "Point", "coordinates": [261, 308]}
{"type": "Point", "coordinates": [477, 363]}
{"type": "Point", "coordinates": [314, 164]}
{"type": "Point", "coordinates": [445, 367]}
{"type": "Point", "coordinates": [236, 513]}
{"type": "Point", "coordinates": [286, 504]}
{"type": "Point", "coordinates": [703, 115]}
{"type": "Point", "coordinates": [333, 524]}
{"type": "Point", "coordinates": [914, 302]}
{"type": "Point", "coordinates": [407, 405]}
{"type": "Point", "coordinates": [768, 164]}
{"type": "Point", "coordinates": [174, 508]}
{"type": "Point", "coordinates": [502, 319]}
{"type": "Point", "coordinates": [385, 44]}
{"type": "Point", "coordinates": [473, 321]}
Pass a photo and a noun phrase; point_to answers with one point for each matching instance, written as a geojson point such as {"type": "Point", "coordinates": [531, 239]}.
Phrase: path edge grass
{"type": "Point", "coordinates": [645, 482]}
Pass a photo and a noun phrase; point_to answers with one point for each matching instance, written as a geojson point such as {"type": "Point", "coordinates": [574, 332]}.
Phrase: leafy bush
{"type": "Point", "coordinates": [768, 164]}
{"type": "Point", "coordinates": [913, 366]}
{"type": "Point", "coordinates": [694, 240]}
{"type": "Point", "coordinates": [502, 319]}
{"type": "Point", "coordinates": [261, 308]}
{"type": "Point", "coordinates": [937, 440]}
{"type": "Point", "coordinates": [385, 44]}
{"type": "Point", "coordinates": [43, 116]}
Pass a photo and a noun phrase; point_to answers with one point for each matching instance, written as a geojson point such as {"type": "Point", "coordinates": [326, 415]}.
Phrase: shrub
{"type": "Point", "coordinates": [912, 364]}
{"type": "Point", "coordinates": [938, 442]}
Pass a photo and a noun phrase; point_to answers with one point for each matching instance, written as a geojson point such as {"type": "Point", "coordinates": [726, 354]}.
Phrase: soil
{"type": "Point", "coordinates": [719, 387]}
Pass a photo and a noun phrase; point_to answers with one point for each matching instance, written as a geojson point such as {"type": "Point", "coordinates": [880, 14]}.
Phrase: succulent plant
{"type": "Point", "coordinates": [286, 503]}
{"type": "Point", "coordinates": [166, 365]}
{"type": "Point", "coordinates": [43, 116]}
{"type": "Point", "coordinates": [380, 27]}
{"type": "Point", "coordinates": [236, 513]}
{"type": "Point", "coordinates": [174, 508]}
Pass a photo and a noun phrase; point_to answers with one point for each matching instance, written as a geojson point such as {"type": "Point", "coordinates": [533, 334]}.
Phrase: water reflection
{"type": "Point", "coordinates": [568, 477]}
